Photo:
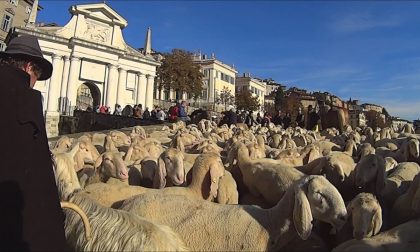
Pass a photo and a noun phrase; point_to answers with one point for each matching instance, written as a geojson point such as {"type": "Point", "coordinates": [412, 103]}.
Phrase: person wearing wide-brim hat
{"type": "Point", "coordinates": [30, 214]}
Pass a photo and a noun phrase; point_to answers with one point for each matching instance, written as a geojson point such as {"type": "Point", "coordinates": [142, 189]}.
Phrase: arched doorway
{"type": "Point", "coordinates": [88, 95]}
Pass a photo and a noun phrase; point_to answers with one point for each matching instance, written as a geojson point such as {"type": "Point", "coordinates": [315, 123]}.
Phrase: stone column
{"type": "Point", "coordinates": [54, 87]}
{"type": "Point", "coordinates": [161, 94]}
{"type": "Point", "coordinates": [210, 87]}
{"type": "Point", "coordinates": [122, 82]}
{"type": "Point", "coordinates": [52, 115]}
{"type": "Point", "coordinates": [73, 81]}
{"type": "Point", "coordinates": [149, 91]}
{"type": "Point", "coordinates": [64, 80]}
{"type": "Point", "coordinates": [141, 90]}
{"type": "Point", "coordinates": [112, 86]}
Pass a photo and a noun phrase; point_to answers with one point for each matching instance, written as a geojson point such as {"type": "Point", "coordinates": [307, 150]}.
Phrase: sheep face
{"type": "Point", "coordinates": [171, 164]}
{"type": "Point", "coordinates": [366, 215]}
{"type": "Point", "coordinates": [413, 147]}
{"type": "Point", "coordinates": [322, 202]}
{"type": "Point", "coordinates": [119, 138]}
{"type": "Point", "coordinates": [111, 164]}
{"type": "Point", "coordinates": [370, 168]}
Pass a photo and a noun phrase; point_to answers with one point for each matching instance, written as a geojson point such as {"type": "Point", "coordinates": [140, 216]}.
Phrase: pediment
{"type": "Point", "coordinates": [101, 12]}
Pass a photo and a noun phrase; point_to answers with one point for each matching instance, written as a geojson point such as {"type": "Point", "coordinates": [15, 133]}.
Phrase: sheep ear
{"type": "Point", "coordinates": [216, 171]}
{"type": "Point", "coordinates": [380, 177]}
{"type": "Point", "coordinates": [340, 172]}
{"type": "Point", "coordinates": [377, 221]}
{"type": "Point", "coordinates": [312, 155]}
{"type": "Point", "coordinates": [349, 208]}
{"type": "Point", "coordinates": [107, 144]}
{"type": "Point", "coordinates": [98, 161]}
{"type": "Point", "coordinates": [79, 162]}
{"type": "Point", "coordinates": [319, 168]}
{"type": "Point", "coordinates": [159, 180]}
{"type": "Point", "coordinates": [302, 216]}
{"type": "Point", "coordinates": [129, 153]}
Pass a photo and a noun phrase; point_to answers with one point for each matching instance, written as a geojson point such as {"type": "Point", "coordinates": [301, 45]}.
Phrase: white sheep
{"type": "Point", "coordinates": [365, 218]}
{"type": "Point", "coordinates": [407, 206]}
{"type": "Point", "coordinates": [112, 230]}
{"type": "Point", "coordinates": [404, 237]}
{"type": "Point", "coordinates": [397, 183]}
{"type": "Point", "coordinates": [266, 177]}
{"type": "Point", "coordinates": [227, 192]}
{"type": "Point", "coordinates": [207, 226]}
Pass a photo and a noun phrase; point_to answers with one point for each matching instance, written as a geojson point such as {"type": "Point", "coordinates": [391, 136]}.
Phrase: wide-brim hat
{"type": "Point", "coordinates": [28, 47]}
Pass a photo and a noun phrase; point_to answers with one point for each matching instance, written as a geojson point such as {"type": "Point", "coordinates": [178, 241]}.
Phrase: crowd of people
{"type": "Point", "coordinates": [284, 119]}
{"type": "Point", "coordinates": [176, 112]}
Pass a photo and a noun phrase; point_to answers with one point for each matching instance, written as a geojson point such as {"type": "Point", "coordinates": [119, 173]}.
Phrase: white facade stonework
{"type": "Point", "coordinates": [90, 51]}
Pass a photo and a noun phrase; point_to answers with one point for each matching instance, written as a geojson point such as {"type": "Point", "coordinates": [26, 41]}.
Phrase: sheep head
{"type": "Point", "coordinates": [316, 198]}
{"type": "Point", "coordinates": [64, 143]}
{"type": "Point", "coordinates": [111, 164]}
{"type": "Point", "coordinates": [366, 215]}
{"type": "Point", "coordinates": [413, 148]}
{"type": "Point", "coordinates": [170, 164]}
{"type": "Point", "coordinates": [119, 138]}
{"type": "Point", "coordinates": [82, 156]}
{"type": "Point", "coordinates": [371, 168]}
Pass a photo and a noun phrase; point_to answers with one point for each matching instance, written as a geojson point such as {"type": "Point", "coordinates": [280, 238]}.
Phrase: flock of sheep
{"type": "Point", "coordinates": [208, 188]}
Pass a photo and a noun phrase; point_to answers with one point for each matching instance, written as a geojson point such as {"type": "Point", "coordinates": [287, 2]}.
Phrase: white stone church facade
{"type": "Point", "coordinates": [93, 65]}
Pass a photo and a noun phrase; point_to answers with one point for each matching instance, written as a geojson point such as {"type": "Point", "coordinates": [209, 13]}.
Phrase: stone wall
{"type": "Point", "coordinates": [83, 121]}
{"type": "Point", "coordinates": [51, 124]}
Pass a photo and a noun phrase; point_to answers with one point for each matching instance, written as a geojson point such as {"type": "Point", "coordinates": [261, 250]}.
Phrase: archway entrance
{"type": "Point", "coordinates": [88, 96]}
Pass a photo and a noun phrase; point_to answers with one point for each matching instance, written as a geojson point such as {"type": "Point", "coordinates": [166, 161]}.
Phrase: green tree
{"type": "Point", "coordinates": [245, 100]}
{"type": "Point", "coordinates": [179, 73]}
{"type": "Point", "coordinates": [279, 98]}
{"type": "Point", "coordinates": [225, 97]}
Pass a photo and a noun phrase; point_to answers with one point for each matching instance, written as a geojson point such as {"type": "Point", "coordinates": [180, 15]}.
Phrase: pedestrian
{"type": "Point", "coordinates": [313, 119]}
{"type": "Point", "coordinates": [287, 119]}
{"type": "Point", "coordinates": [182, 112]}
{"type": "Point", "coordinates": [230, 117]}
{"type": "Point", "coordinates": [31, 218]}
{"type": "Point", "coordinates": [249, 119]}
{"type": "Point", "coordinates": [146, 114]}
{"type": "Point", "coordinates": [300, 118]}
{"type": "Point", "coordinates": [278, 118]}
{"type": "Point", "coordinates": [102, 109]}
{"type": "Point", "coordinates": [153, 112]}
{"type": "Point", "coordinates": [259, 118]}
{"type": "Point", "coordinates": [160, 114]}
{"type": "Point", "coordinates": [118, 109]}
{"type": "Point", "coordinates": [265, 121]}
{"type": "Point", "coordinates": [173, 113]}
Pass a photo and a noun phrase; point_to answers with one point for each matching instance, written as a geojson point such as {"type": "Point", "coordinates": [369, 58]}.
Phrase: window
{"type": "Point", "coordinates": [28, 10]}
{"type": "Point", "coordinates": [14, 2]}
{"type": "Point", "coordinates": [2, 46]}
{"type": "Point", "coordinates": [6, 23]}
{"type": "Point", "coordinates": [204, 93]}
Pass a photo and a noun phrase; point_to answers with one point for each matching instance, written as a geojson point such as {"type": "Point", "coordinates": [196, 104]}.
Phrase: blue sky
{"type": "Point", "coordinates": [366, 50]}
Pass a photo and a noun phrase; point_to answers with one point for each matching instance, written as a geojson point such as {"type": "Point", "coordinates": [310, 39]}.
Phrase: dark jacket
{"type": "Point", "coordinates": [30, 213]}
{"type": "Point", "coordinates": [231, 117]}
{"type": "Point", "coordinates": [300, 120]}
